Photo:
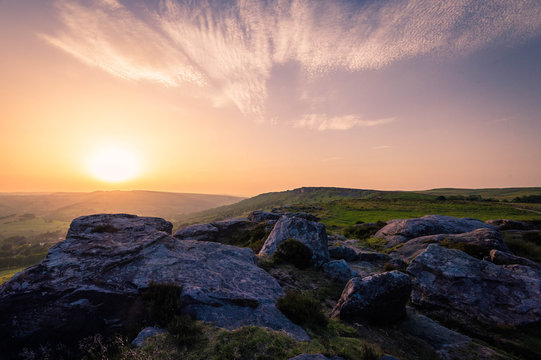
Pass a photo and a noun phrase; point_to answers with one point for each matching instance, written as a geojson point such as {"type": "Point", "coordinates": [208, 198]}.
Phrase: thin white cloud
{"type": "Point", "coordinates": [230, 47]}
{"type": "Point", "coordinates": [323, 122]}
{"type": "Point", "coordinates": [381, 147]}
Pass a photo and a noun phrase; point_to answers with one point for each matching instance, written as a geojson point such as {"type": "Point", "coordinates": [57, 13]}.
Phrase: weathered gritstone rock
{"type": "Point", "coordinates": [93, 281]}
{"type": "Point", "coordinates": [310, 233]}
{"type": "Point", "coordinates": [259, 215]}
{"type": "Point", "coordinates": [338, 270]}
{"type": "Point", "coordinates": [315, 357]}
{"type": "Point", "coordinates": [401, 230]}
{"type": "Point", "coordinates": [343, 252]}
{"type": "Point", "coordinates": [379, 298]}
{"type": "Point", "coordinates": [505, 224]}
{"type": "Point", "coordinates": [225, 231]}
{"type": "Point", "coordinates": [482, 239]}
{"type": "Point", "coordinates": [503, 258]}
{"type": "Point", "coordinates": [465, 288]}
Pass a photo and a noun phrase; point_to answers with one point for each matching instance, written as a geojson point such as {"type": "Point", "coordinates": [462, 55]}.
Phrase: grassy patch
{"type": "Point", "coordinates": [522, 246]}
{"type": "Point", "coordinates": [7, 274]}
{"type": "Point", "coordinates": [303, 309]}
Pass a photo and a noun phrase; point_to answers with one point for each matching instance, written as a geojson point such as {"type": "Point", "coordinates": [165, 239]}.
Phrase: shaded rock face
{"type": "Point", "coordinates": [401, 230]}
{"type": "Point", "coordinates": [343, 252]}
{"type": "Point", "coordinates": [483, 239]}
{"type": "Point", "coordinates": [504, 258]}
{"type": "Point", "coordinates": [378, 298]}
{"type": "Point", "coordinates": [338, 270]}
{"type": "Point", "coordinates": [92, 282]}
{"type": "Point", "coordinates": [226, 231]}
{"type": "Point", "coordinates": [506, 224]}
{"type": "Point", "coordinates": [310, 233]}
{"type": "Point", "coordinates": [258, 216]}
{"type": "Point", "coordinates": [466, 288]}
{"type": "Point", "coordinates": [439, 337]}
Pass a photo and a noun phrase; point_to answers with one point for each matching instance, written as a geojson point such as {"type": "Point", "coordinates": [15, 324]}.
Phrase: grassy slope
{"type": "Point", "coordinates": [494, 193]}
{"type": "Point", "coordinates": [342, 207]}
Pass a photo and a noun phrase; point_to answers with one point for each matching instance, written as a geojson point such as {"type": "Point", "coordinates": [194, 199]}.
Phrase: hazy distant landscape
{"type": "Point", "coordinates": [31, 223]}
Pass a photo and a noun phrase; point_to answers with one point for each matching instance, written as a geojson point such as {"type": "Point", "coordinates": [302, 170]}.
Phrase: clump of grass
{"type": "Point", "coordinates": [377, 244]}
{"type": "Point", "coordinates": [362, 230]}
{"type": "Point", "coordinates": [293, 252]}
{"type": "Point", "coordinates": [106, 228]}
{"type": "Point", "coordinates": [303, 309]}
{"type": "Point", "coordinates": [253, 342]}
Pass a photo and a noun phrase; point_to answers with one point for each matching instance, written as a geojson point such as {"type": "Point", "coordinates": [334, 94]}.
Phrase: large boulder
{"type": "Point", "coordinates": [310, 233]}
{"type": "Point", "coordinates": [92, 282]}
{"type": "Point", "coordinates": [379, 298]}
{"type": "Point", "coordinates": [481, 241]}
{"type": "Point", "coordinates": [338, 270]}
{"type": "Point", "coordinates": [452, 284]}
{"type": "Point", "coordinates": [401, 230]}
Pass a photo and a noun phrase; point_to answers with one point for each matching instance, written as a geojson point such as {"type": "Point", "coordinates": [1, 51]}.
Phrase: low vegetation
{"type": "Point", "coordinates": [303, 309]}
{"type": "Point", "coordinates": [293, 252]}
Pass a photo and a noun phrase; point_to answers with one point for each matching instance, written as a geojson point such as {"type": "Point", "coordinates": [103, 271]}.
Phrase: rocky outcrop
{"type": "Point", "coordinates": [343, 252]}
{"type": "Point", "coordinates": [506, 224]}
{"type": "Point", "coordinates": [465, 288]}
{"type": "Point", "coordinates": [225, 231]}
{"type": "Point", "coordinates": [401, 230]}
{"type": "Point", "coordinates": [442, 339]}
{"type": "Point", "coordinates": [259, 216]}
{"type": "Point", "coordinates": [310, 233]}
{"type": "Point", "coordinates": [338, 270]}
{"type": "Point", "coordinates": [379, 298]}
{"type": "Point", "coordinates": [93, 281]}
{"type": "Point", "coordinates": [481, 240]}
{"type": "Point", "coordinates": [504, 258]}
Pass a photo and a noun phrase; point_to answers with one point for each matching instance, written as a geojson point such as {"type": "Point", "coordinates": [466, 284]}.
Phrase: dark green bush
{"type": "Point", "coordinates": [164, 309]}
{"type": "Point", "coordinates": [185, 330]}
{"type": "Point", "coordinates": [163, 302]}
{"type": "Point", "coordinates": [293, 252]}
{"type": "Point", "coordinates": [303, 309]}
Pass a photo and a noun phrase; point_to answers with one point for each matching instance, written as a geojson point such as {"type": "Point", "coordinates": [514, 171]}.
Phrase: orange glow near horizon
{"type": "Point", "coordinates": [103, 95]}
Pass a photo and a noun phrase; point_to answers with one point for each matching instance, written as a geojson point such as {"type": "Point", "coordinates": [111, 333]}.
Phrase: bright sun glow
{"type": "Point", "coordinates": [114, 164]}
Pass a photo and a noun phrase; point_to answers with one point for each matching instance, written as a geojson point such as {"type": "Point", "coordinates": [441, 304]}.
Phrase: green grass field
{"type": "Point", "coordinates": [31, 227]}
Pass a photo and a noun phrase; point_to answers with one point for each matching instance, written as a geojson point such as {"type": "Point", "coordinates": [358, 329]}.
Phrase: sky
{"type": "Point", "coordinates": [244, 97]}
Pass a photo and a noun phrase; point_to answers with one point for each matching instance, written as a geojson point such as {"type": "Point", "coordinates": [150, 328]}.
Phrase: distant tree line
{"type": "Point", "coordinates": [464, 198]}
{"type": "Point", "coordinates": [528, 199]}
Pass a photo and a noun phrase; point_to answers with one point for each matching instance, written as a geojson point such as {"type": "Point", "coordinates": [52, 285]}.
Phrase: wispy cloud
{"type": "Point", "coordinates": [323, 122]}
{"type": "Point", "coordinates": [230, 48]}
{"type": "Point", "coordinates": [381, 147]}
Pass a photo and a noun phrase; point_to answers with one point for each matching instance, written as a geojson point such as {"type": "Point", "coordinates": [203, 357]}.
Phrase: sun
{"type": "Point", "coordinates": [114, 164]}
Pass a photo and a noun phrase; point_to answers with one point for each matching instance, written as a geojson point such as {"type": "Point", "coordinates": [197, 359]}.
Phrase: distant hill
{"type": "Point", "coordinates": [489, 193]}
{"type": "Point", "coordinates": [301, 196]}
{"type": "Point", "coordinates": [66, 206]}
{"type": "Point", "coordinates": [377, 203]}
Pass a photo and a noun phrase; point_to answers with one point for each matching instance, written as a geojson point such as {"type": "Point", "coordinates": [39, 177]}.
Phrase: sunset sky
{"type": "Point", "coordinates": [244, 97]}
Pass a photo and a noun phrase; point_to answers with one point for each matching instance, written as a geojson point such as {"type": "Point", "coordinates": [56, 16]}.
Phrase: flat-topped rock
{"type": "Point", "coordinates": [401, 230]}
{"type": "Point", "coordinates": [93, 281]}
